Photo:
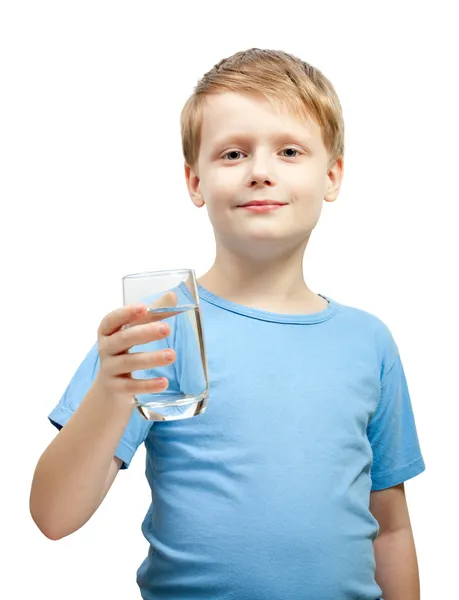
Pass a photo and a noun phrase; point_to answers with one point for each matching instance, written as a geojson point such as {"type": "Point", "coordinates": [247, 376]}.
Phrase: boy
{"type": "Point", "coordinates": [280, 489]}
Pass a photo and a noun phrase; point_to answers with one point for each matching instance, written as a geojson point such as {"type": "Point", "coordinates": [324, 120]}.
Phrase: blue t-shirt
{"type": "Point", "coordinates": [265, 496]}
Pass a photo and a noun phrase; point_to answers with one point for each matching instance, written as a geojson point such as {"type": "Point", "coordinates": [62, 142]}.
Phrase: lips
{"type": "Point", "coordinates": [263, 203]}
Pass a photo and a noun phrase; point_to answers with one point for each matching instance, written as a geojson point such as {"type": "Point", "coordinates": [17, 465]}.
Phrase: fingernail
{"type": "Point", "coordinates": [163, 328]}
{"type": "Point", "coordinates": [168, 355]}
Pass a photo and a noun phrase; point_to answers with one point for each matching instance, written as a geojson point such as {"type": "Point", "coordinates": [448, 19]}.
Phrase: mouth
{"type": "Point", "coordinates": [262, 205]}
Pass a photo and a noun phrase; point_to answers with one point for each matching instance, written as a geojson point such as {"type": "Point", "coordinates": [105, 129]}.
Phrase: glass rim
{"type": "Point", "coordinates": [153, 274]}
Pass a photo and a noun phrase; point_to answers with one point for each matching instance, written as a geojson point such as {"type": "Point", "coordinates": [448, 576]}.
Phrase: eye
{"type": "Point", "coordinates": [231, 155]}
{"type": "Point", "coordinates": [233, 152]}
{"type": "Point", "coordinates": [291, 150]}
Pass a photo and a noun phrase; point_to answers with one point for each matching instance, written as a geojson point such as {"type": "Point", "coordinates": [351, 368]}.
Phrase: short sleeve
{"type": "Point", "coordinates": [392, 432]}
{"type": "Point", "coordinates": [137, 428]}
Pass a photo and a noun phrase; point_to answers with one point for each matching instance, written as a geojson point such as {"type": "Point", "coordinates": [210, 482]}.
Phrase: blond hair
{"type": "Point", "coordinates": [283, 79]}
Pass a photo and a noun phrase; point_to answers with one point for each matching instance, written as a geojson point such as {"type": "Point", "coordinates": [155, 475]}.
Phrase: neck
{"type": "Point", "coordinates": [275, 285]}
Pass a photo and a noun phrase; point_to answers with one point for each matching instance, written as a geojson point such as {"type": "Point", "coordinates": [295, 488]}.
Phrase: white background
{"type": "Point", "coordinates": [92, 188]}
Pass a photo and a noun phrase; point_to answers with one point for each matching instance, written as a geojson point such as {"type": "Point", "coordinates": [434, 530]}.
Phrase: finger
{"type": "Point", "coordinates": [168, 300]}
{"type": "Point", "coordinates": [138, 361]}
{"type": "Point", "coordinates": [129, 385]}
{"type": "Point", "coordinates": [120, 317]}
{"type": "Point", "coordinates": [132, 335]}
{"type": "Point", "coordinates": [137, 314]}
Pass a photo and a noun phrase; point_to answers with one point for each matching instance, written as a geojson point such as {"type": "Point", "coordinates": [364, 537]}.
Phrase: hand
{"type": "Point", "coordinates": [122, 329]}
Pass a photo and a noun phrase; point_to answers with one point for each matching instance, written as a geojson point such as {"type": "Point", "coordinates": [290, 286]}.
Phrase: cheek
{"type": "Point", "coordinates": [304, 184]}
{"type": "Point", "coordinates": [219, 185]}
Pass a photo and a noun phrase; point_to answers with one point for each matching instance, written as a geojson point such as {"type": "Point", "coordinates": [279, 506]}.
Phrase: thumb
{"type": "Point", "coordinates": [168, 299]}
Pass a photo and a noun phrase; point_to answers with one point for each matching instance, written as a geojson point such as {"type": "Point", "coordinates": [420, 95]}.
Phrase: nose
{"type": "Point", "coordinates": [261, 172]}
{"type": "Point", "coordinates": [255, 182]}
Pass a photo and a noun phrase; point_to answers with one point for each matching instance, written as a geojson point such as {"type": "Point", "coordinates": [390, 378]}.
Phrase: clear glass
{"type": "Point", "coordinates": [188, 391]}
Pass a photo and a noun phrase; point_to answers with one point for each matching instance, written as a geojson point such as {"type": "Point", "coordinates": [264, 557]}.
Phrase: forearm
{"type": "Point", "coordinates": [70, 479]}
{"type": "Point", "coordinates": [396, 565]}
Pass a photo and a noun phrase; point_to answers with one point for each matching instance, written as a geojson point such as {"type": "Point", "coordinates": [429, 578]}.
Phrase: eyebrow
{"type": "Point", "coordinates": [236, 138]}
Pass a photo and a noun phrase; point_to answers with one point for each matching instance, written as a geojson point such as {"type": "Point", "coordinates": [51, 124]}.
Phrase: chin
{"type": "Point", "coordinates": [262, 246]}
{"type": "Point", "coordinates": [266, 234]}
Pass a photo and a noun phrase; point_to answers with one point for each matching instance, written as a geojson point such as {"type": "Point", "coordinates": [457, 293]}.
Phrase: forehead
{"type": "Point", "coordinates": [234, 113]}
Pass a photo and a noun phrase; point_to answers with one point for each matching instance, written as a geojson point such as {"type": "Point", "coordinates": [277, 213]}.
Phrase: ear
{"type": "Point", "coordinates": [335, 177]}
{"type": "Point", "coordinates": [192, 183]}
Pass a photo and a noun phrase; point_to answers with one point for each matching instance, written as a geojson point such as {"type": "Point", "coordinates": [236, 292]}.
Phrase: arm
{"type": "Point", "coordinates": [396, 562]}
{"type": "Point", "coordinates": [78, 468]}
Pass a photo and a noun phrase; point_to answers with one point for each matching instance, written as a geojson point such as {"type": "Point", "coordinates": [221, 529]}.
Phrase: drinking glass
{"type": "Point", "coordinates": [172, 297]}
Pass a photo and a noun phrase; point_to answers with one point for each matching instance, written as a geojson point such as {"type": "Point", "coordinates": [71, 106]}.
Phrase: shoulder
{"type": "Point", "coordinates": [375, 330]}
{"type": "Point", "coordinates": [367, 320]}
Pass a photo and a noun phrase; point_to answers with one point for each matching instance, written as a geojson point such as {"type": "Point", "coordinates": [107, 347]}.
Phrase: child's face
{"type": "Point", "coordinates": [249, 151]}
